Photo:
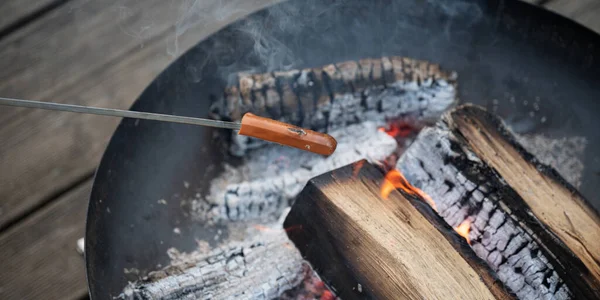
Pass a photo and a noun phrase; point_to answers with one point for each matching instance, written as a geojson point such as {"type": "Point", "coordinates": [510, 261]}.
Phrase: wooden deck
{"type": "Point", "coordinates": [101, 53]}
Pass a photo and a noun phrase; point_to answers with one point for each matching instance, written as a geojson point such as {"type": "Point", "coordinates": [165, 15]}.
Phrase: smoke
{"type": "Point", "coordinates": [199, 15]}
{"type": "Point", "coordinates": [262, 35]}
{"type": "Point", "coordinates": [282, 36]}
{"type": "Point", "coordinates": [272, 53]}
{"type": "Point", "coordinates": [468, 10]}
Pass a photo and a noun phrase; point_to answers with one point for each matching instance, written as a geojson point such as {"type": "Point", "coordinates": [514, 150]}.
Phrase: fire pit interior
{"type": "Point", "coordinates": [373, 107]}
{"type": "Point", "coordinates": [376, 109]}
{"type": "Point", "coordinates": [216, 215]}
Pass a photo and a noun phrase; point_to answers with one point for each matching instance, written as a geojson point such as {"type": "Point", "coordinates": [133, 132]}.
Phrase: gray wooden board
{"type": "Point", "coordinates": [15, 10]}
{"type": "Point", "coordinates": [585, 12]}
{"type": "Point", "coordinates": [39, 256]}
{"type": "Point", "coordinates": [90, 53]}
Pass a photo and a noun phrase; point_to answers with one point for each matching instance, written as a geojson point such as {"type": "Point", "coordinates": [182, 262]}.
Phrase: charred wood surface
{"type": "Point", "coordinates": [263, 267]}
{"type": "Point", "coordinates": [533, 228]}
{"type": "Point", "coordinates": [367, 247]}
{"type": "Point", "coordinates": [341, 94]}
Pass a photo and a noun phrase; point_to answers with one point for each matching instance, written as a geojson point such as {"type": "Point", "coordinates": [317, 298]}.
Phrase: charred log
{"type": "Point", "coordinates": [367, 247]}
{"type": "Point", "coordinates": [264, 267]}
{"type": "Point", "coordinates": [337, 95]}
{"type": "Point", "coordinates": [532, 228]}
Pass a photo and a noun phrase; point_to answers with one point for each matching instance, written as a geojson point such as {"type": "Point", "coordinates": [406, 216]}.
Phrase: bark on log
{"type": "Point", "coordinates": [533, 228]}
{"type": "Point", "coordinates": [367, 247]}
{"type": "Point", "coordinates": [262, 268]}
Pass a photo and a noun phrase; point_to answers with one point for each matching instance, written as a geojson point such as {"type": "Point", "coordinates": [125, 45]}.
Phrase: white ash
{"type": "Point", "coordinates": [262, 267]}
{"type": "Point", "coordinates": [272, 176]}
{"type": "Point", "coordinates": [429, 164]}
{"type": "Point", "coordinates": [426, 101]}
{"type": "Point", "coordinates": [563, 154]}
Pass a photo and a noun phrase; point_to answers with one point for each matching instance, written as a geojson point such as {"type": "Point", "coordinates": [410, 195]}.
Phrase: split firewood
{"type": "Point", "coordinates": [535, 230]}
{"type": "Point", "coordinates": [337, 95]}
{"type": "Point", "coordinates": [368, 247]}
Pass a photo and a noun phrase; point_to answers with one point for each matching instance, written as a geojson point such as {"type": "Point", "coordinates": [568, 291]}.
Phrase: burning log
{"type": "Point", "coordinates": [368, 247]}
{"type": "Point", "coordinates": [534, 229]}
{"type": "Point", "coordinates": [337, 95]}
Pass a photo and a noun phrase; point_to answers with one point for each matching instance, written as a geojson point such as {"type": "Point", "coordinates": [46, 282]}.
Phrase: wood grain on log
{"type": "Point", "coordinates": [368, 247]}
{"type": "Point", "coordinates": [522, 212]}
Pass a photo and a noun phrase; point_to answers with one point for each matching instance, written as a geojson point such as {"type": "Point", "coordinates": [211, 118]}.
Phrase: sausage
{"type": "Point", "coordinates": [286, 134]}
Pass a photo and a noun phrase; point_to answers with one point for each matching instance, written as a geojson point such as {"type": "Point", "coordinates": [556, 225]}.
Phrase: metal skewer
{"type": "Point", "coordinates": [118, 113]}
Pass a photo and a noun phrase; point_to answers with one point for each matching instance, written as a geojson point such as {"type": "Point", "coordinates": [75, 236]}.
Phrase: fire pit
{"type": "Point", "coordinates": [219, 200]}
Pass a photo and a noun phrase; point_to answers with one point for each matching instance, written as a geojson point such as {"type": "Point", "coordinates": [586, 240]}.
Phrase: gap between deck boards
{"type": "Point", "coordinates": [39, 256]}
{"type": "Point", "coordinates": [21, 15]}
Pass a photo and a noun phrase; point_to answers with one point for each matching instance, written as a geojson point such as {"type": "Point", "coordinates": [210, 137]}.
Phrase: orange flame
{"type": "Point", "coordinates": [395, 180]}
{"type": "Point", "coordinates": [463, 229]}
{"type": "Point", "coordinates": [327, 295]}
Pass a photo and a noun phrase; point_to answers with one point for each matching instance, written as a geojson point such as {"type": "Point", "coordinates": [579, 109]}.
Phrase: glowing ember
{"type": "Point", "coordinates": [293, 228]}
{"type": "Point", "coordinates": [356, 167]}
{"type": "Point", "coordinates": [398, 130]}
{"type": "Point", "coordinates": [327, 295]}
{"type": "Point", "coordinates": [395, 180]}
{"type": "Point", "coordinates": [463, 229]}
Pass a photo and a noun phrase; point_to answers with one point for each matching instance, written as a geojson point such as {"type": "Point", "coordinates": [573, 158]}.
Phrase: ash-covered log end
{"type": "Point", "coordinates": [368, 247]}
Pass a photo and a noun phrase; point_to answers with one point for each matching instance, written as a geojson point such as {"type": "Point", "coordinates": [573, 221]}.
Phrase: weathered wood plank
{"type": "Point", "coordinates": [14, 10]}
{"type": "Point", "coordinates": [584, 12]}
{"type": "Point", "coordinates": [86, 53]}
{"type": "Point", "coordinates": [39, 257]}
